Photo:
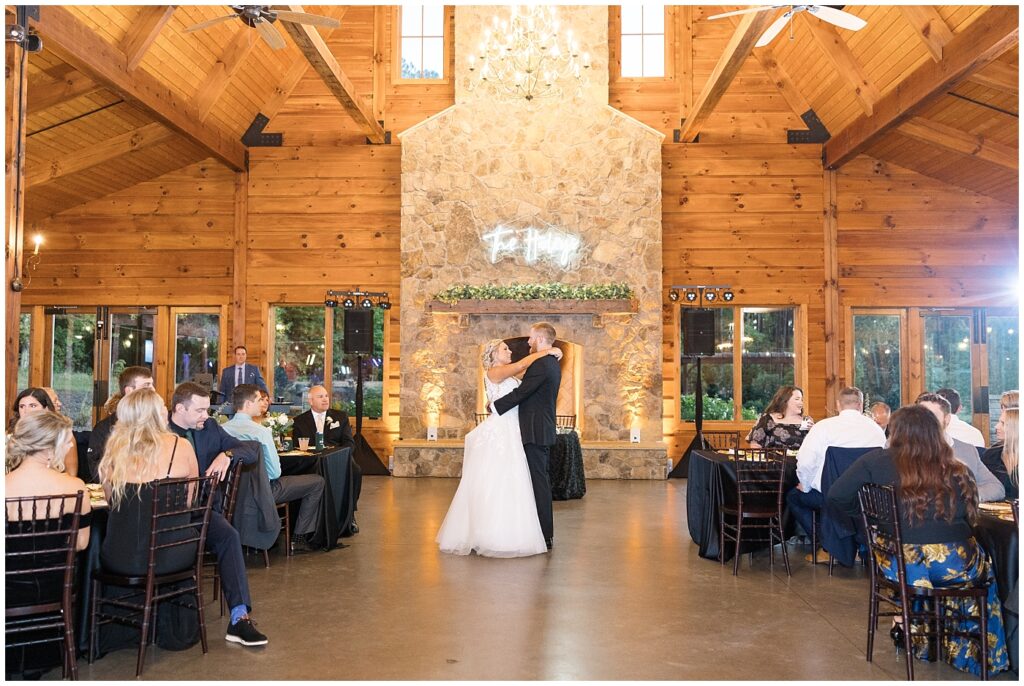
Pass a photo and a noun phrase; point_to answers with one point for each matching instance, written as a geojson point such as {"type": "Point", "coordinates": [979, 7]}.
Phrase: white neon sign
{"type": "Point", "coordinates": [533, 244]}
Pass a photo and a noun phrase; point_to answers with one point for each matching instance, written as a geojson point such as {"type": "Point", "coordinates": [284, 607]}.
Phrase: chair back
{"type": "Point", "coordinates": [481, 416]}
{"type": "Point", "coordinates": [721, 440]}
{"type": "Point", "coordinates": [1014, 507]}
{"type": "Point", "coordinates": [880, 515]}
{"type": "Point", "coordinates": [178, 506]}
{"type": "Point", "coordinates": [565, 422]}
{"type": "Point", "coordinates": [229, 490]}
{"type": "Point", "coordinates": [41, 534]}
{"type": "Point", "coordinates": [760, 477]}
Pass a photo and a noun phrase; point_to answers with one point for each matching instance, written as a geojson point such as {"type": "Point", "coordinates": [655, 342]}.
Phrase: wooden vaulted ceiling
{"type": "Point", "coordinates": [87, 139]}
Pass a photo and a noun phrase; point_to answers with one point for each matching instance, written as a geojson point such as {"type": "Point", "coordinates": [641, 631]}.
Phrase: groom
{"type": "Point", "coordinates": [536, 400]}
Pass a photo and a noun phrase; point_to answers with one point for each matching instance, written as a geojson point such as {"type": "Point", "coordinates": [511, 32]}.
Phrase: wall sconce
{"type": "Point", "coordinates": [28, 264]}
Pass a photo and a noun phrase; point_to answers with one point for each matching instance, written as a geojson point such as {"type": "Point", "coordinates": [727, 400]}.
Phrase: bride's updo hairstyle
{"type": "Point", "coordinates": [487, 358]}
{"type": "Point", "coordinates": [38, 433]}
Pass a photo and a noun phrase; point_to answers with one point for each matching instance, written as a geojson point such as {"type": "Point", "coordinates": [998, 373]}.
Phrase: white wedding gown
{"type": "Point", "coordinates": [493, 511]}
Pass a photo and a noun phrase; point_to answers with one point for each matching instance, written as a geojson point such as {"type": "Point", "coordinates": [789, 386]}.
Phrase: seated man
{"type": "Point", "coordinates": [989, 486]}
{"type": "Point", "coordinates": [849, 429]}
{"type": "Point", "coordinates": [333, 424]}
{"type": "Point", "coordinates": [131, 379]}
{"type": "Point", "coordinates": [880, 412]}
{"type": "Point", "coordinates": [307, 487]}
{"type": "Point", "coordinates": [958, 428]}
{"type": "Point", "coordinates": [216, 452]}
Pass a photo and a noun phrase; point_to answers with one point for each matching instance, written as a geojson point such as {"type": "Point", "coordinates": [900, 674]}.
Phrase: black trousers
{"type": "Point", "coordinates": [537, 457]}
{"type": "Point", "coordinates": [223, 541]}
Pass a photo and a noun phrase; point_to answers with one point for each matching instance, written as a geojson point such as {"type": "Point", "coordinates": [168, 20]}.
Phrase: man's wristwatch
{"type": "Point", "coordinates": [230, 454]}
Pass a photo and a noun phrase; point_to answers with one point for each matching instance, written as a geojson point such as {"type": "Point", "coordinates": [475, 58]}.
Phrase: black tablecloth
{"type": "Point", "coordinates": [707, 470]}
{"type": "Point", "coordinates": [337, 505]}
{"type": "Point", "coordinates": [565, 468]}
{"type": "Point", "coordinates": [1000, 539]}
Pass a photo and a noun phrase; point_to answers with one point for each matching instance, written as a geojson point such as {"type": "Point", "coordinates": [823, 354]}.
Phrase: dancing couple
{"type": "Point", "coordinates": [502, 507]}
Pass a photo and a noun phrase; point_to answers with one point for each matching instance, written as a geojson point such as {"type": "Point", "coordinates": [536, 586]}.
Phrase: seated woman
{"type": "Point", "coordinates": [33, 400]}
{"type": "Point", "coordinates": [938, 501]}
{"type": "Point", "coordinates": [1001, 459]}
{"type": "Point", "coordinates": [140, 452]}
{"type": "Point", "coordinates": [783, 424]}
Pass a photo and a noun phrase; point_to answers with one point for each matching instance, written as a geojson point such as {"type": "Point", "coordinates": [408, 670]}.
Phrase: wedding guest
{"type": "Point", "coordinates": [1001, 459]}
{"type": "Point", "coordinates": [131, 379]}
{"type": "Point", "coordinates": [958, 428]}
{"type": "Point", "coordinates": [55, 399]}
{"type": "Point", "coordinates": [880, 413]}
{"type": "Point", "coordinates": [783, 424]}
{"type": "Point", "coordinates": [938, 503]}
{"type": "Point", "coordinates": [989, 488]}
{"type": "Point", "coordinates": [239, 373]}
{"type": "Point", "coordinates": [308, 488]}
{"type": "Point", "coordinates": [34, 400]}
{"type": "Point", "coordinates": [1009, 399]}
{"type": "Point", "coordinates": [264, 407]}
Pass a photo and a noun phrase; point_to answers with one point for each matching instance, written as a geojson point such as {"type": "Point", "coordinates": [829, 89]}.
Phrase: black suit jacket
{"type": "Point", "coordinates": [304, 426]}
{"type": "Point", "coordinates": [536, 397]}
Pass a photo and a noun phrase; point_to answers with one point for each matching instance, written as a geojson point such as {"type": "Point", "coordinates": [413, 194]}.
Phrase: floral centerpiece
{"type": "Point", "coordinates": [279, 423]}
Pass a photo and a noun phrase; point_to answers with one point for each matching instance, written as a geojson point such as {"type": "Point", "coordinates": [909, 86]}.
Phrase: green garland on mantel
{"type": "Point", "coordinates": [536, 291]}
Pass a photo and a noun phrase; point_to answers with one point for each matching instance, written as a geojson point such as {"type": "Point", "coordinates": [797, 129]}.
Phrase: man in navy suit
{"type": "Point", "coordinates": [240, 373]}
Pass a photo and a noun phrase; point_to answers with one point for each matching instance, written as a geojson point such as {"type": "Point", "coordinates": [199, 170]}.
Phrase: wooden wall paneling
{"type": "Point", "coordinates": [224, 69]}
{"type": "Point", "coordinates": [148, 25]}
{"type": "Point", "coordinates": [380, 65]}
{"type": "Point", "coordinates": [833, 316]}
{"type": "Point", "coordinates": [16, 104]}
{"type": "Point", "coordinates": [240, 257]}
{"type": "Point", "coordinates": [683, 19]}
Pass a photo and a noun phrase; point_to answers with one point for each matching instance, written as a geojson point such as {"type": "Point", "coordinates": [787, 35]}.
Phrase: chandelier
{"type": "Point", "coordinates": [526, 58]}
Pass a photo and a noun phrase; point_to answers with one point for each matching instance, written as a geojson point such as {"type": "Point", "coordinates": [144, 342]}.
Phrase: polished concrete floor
{"type": "Point", "coordinates": [622, 596]}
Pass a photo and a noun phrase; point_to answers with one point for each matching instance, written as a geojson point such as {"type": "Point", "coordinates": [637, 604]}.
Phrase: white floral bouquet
{"type": "Point", "coordinates": [278, 422]}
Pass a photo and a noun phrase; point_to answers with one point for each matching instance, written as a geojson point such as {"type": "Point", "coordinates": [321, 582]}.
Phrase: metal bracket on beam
{"type": "Point", "coordinates": [255, 138]}
{"type": "Point", "coordinates": [387, 135]}
{"type": "Point", "coordinates": [676, 132]}
{"type": "Point", "coordinates": [815, 132]}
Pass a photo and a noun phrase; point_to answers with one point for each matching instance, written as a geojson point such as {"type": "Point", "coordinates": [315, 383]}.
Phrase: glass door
{"type": "Point", "coordinates": [126, 341]}
{"type": "Point", "coordinates": [72, 361]}
{"type": "Point", "coordinates": [196, 345]}
{"type": "Point", "coordinates": [947, 357]}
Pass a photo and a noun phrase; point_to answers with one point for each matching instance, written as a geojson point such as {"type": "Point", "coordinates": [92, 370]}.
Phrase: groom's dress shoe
{"type": "Point", "coordinates": [550, 542]}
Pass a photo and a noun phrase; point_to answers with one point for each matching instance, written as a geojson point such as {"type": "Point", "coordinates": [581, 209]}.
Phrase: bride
{"type": "Point", "coordinates": [493, 511]}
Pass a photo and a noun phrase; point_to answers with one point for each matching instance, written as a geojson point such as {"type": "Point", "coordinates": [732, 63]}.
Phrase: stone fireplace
{"type": "Point", "coordinates": [577, 183]}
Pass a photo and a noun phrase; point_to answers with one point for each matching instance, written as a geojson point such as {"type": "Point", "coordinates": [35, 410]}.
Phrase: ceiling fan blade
{"type": "Point", "coordinates": [843, 20]}
{"type": "Point", "coordinates": [746, 11]}
{"type": "Point", "coordinates": [209, 22]}
{"type": "Point", "coordinates": [769, 35]}
{"type": "Point", "coordinates": [271, 35]}
{"type": "Point", "coordinates": [310, 19]}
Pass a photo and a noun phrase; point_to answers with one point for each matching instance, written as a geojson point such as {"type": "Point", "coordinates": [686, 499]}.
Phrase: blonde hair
{"type": "Point", "coordinates": [38, 433]}
{"type": "Point", "coordinates": [487, 357]}
{"type": "Point", "coordinates": [546, 330]}
{"type": "Point", "coordinates": [135, 442]}
{"type": "Point", "coordinates": [1009, 399]}
{"type": "Point", "coordinates": [1011, 441]}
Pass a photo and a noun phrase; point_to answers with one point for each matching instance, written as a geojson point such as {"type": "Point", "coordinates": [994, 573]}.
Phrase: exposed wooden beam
{"type": "Point", "coordinates": [72, 41]}
{"type": "Point", "coordinates": [849, 68]}
{"type": "Point", "coordinates": [315, 49]}
{"type": "Point", "coordinates": [219, 77]}
{"type": "Point", "coordinates": [998, 75]}
{"type": "Point", "coordinates": [830, 289]}
{"type": "Point", "coordinates": [143, 137]}
{"type": "Point", "coordinates": [780, 77]}
{"type": "Point", "coordinates": [16, 105]}
{"type": "Point", "coordinates": [380, 64]}
{"type": "Point", "coordinates": [955, 140]}
{"type": "Point", "coordinates": [74, 85]}
{"type": "Point", "coordinates": [143, 33]}
{"type": "Point", "coordinates": [930, 27]}
{"type": "Point", "coordinates": [684, 58]}
{"type": "Point", "coordinates": [240, 253]}
{"type": "Point", "coordinates": [749, 29]}
{"type": "Point", "coordinates": [979, 44]}
{"type": "Point", "coordinates": [284, 89]}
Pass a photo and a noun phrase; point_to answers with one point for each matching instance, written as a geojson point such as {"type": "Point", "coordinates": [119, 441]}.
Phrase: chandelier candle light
{"type": "Point", "coordinates": [525, 58]}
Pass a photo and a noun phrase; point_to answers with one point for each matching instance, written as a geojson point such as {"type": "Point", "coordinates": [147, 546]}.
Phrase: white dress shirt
{"type": "Point", "coordinates": [320, 418]}
{"type": "Point", "coordinates": [962, 431]}
{"type": "Point", "coordinates": [848, 429]}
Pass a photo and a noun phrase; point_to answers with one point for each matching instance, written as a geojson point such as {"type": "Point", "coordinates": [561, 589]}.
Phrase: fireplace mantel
{"type": "Point", "coordinates": [533, 307]}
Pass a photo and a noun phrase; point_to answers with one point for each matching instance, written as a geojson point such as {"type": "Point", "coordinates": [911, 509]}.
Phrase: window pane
{"type": "Point", "coordinates": [632, 58]}
{"type": "Point", "coordinates": [947, 357]}
{"type": "Point", "coordinates": [299, 352]}
{"type": "Point", "coordinates": [433, 58]}
{"type": "Point", "coordinates": [412, 20]}
{"type": "Point", "coordinates": [769, 359]}
{"type": "Point", "coordinates": [196, 348]}
{"type": "Point", "coordinates": [1003, 364]}
{"type": "Point", "coordinates": [343, 384]}
{"type": "Point", "coordinates": [72, 365]}
{"type": "Point", "coordinates": [412, 58]}
{"type": "Point", "coordinates": [433, 20]}
{"type": "Point", "coordinates": [716, 374]}
{"type": "Point", "coordinates": [654, 55]}
{"type": "Point", "coordinates": [876, 357]}
{"type": "Point", "coordinates": [631, 18]}
{"type": "Point", "coordinates": [654, 18]}
{"type": "Point", "coordinates": [131, 343]}
{"type": "Point", "coordinates": [24, 349]}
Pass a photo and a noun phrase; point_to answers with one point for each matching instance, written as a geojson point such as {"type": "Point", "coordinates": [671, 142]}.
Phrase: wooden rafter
{"type": "Point", "coordinates": [15, 106]}
{"type": "Point", "coordinates": [80, 47]}
{"type": "Point", "coordinates": [848, 67]}
{"type": "Point", "coordinates": [143, 33]}
{"type": "Point", "coordinates": [930, 27]}
{"type": "Point", "coordinates": [46, 171]}
{"type": "Point", "coordinates": [749, 28]}
{"type": "Point", "coordinates": [220, 76]}
{"type": "Point", "coordinates": [955, 140]}
{"type": "Point", "coordinates": [979, 44]}
{"type": "Point", "coordinates": [315, 49]}
{"type": "Point", "coordinates": [74, 84]}
{"type": "Point", "coordinates": [998, 75]}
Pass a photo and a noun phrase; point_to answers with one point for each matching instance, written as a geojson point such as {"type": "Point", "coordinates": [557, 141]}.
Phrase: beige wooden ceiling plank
{"type": "Point", "coordinates": [998, 75]}
{"type": "Point", "coordinates": [930, 27]}
{"type": "Point", "coordinates": [42, 96]}
{"type": "Point", "coordinates": [958, 141]}
{"type": "Point", "coordinates": [846, 64]}
{"type": "Point", "coordinates": [220, 76]}
{"type": "Point", "coordinates": [144, 32]}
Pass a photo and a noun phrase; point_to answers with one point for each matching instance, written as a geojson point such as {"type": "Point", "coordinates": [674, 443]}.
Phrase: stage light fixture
{"type": "Point", "coordinates": [331, 302]}
{"type": "Point", "coordinates": [710, 296]}
{"type": "Point", "coordinates": [366, 304]}
{"type": "Point", "coordinates": [673, 295]}
{"type": "Point", "coordinates": [348, 303]}
{"type": "Point", "coordinates": [384, 304]}
{"type": "Point", "coordinates": [691, 296]}
{"type": "Point", "coordinates": [728, 296]}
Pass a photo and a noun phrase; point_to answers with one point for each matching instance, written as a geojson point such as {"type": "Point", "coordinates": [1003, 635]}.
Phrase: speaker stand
{"type": "Point", "coordinates": [363, 453]}
{"type": "Point", "coordinates": [682, 469]}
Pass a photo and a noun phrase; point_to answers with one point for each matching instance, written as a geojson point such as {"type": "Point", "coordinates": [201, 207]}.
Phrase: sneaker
{"type": "Point", "coordinates": [244, 631]}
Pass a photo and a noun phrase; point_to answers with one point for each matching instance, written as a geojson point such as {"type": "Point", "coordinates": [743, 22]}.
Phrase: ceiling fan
{"type": "Point", "coordinates": [842, 19]}
{"type": "Point", "coordinates": [260, 17]}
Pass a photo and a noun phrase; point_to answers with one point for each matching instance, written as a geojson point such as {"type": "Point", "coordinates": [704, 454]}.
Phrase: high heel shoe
{"type": "Point", "coordinates": [896, 634]}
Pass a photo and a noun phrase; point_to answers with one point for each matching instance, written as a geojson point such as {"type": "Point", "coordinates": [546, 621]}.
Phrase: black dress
{"type": "Point", "coordinates": [993, 459]}
{"type": "Point", "coordinates": [768, 433]}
